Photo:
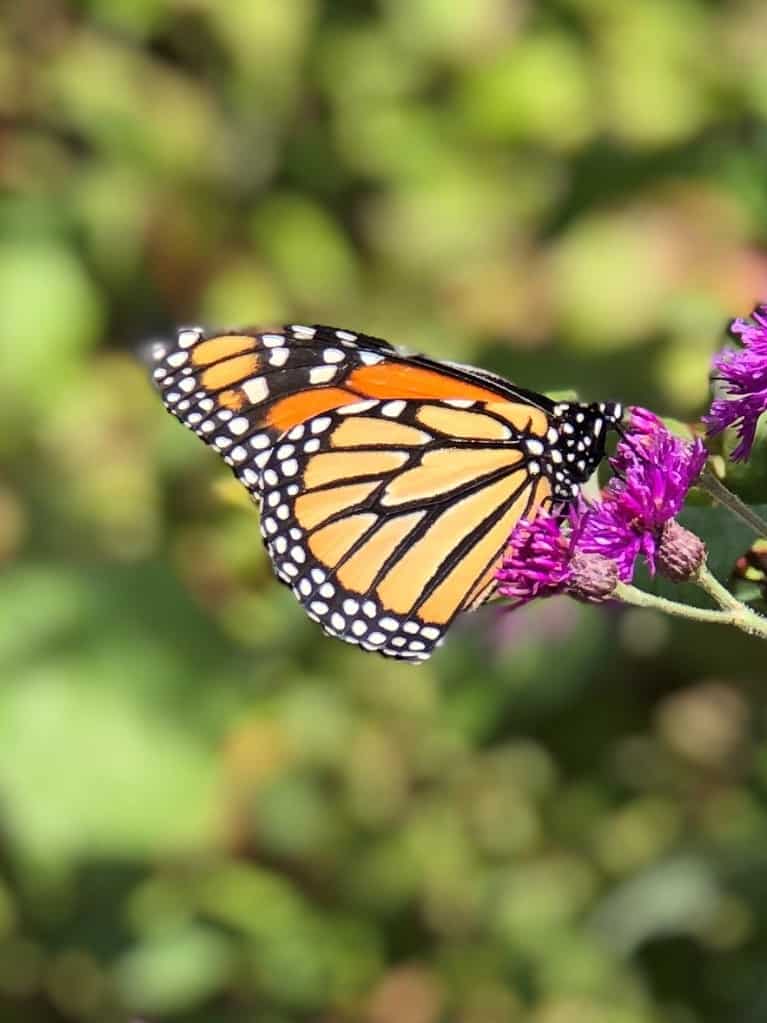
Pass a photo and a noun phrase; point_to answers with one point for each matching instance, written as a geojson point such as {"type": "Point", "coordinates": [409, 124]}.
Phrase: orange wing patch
{"type": "Point", "coordinates": [297, 408]}
{"type": "Point", "coordinates": [362, 431]}
{"type": "Point", "coordinates": [445, 469]}
{"type": "Point", "coordinates": [398, 380]}
{"type": "Point", "coordinates": [405, 582]}
{"type": "Point", "coordinates": [454, 423]}
{"type": "Point", "coordinates": [230, 371]}
{"type": "Point", "coordinates": [223, 347]}
{"type": "Point", "coordinates": [233, 399]}
{"type": "Point", "coordinates": [312, 509]}
{"type": "Point", "coordinates": [522, 417]}
{"type": "Point", "coordinates": [486, 582]}
{"type": "Point", "coordinates": [448, 596]}
{"type": "Point", "coordinates": [364, 565]}
{"type": "Point", "coordinates": [334, 466]}
{"type": "Point", "coordinates": [330, 543]}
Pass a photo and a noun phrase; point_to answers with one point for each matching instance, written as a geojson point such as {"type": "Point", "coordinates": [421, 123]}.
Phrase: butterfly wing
{"type": "Point", "coordinates": [388, 484]}
{"type": "Point", "coordinates": [239, 391]}
{"type": "Point", "coordinates": [389, 522]}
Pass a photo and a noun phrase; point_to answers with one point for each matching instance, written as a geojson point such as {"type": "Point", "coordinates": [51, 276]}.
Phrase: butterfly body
{"type": "Point", "coordinates": [388, 483]}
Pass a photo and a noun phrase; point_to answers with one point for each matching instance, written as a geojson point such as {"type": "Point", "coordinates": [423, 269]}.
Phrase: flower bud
{"type": "Point", "coordinates": [593, 578]}
{"type": "Point", "coordinates": [680, 552]}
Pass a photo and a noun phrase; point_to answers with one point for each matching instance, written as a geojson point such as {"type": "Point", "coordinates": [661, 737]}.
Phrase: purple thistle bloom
{"type": "Point", "coordinates": [656, 471]}
{"type": "Point", "coordinates": [543, 559]}
{"type": "Point", "coordinates": [537, 562]}
{"type": "Point", "coordinates": [744, 374]}
{"type": "Point", "coordinates": [598, 544]}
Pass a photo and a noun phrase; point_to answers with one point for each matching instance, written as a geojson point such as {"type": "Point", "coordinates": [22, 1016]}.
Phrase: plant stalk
{"type": "Point", "coordinates": [713, 486]}
{"type": "Point", "coordinates": [736, 614]}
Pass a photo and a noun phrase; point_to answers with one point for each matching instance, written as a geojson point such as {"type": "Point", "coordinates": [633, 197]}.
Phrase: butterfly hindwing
{"type": "Point", "coordinates": [388, 519]}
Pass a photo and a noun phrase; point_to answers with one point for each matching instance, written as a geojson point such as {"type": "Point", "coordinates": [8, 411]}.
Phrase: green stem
{"type": "Point", "coordinates": [708, 582]}
{"type": "Point", "coordinates": [716, 489]}
{"type": "Point", "coordinates": [741, 617]}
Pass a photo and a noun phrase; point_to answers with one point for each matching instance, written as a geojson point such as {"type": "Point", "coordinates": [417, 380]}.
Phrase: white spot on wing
{"type": "Point", "coordinates": [257, 389]}
{"type": "Point", "coordinates": [279, 357]}
{"type": "Point", "coordinates": [239, 425]}
{"type": "Point", "coordinates": [302, 332]}
{"type": "Point", "coordinates": [188, 336]}
{"type": "Point", "coordinates": [358, 406]}
{"type": "Point", "coordinates": [322, 374]}
{"type": "Point", "coordinates": [393, 408]}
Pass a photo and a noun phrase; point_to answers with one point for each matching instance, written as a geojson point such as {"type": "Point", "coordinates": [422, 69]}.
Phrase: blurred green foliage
{"type": "Point", "coordinates": [208, 811]}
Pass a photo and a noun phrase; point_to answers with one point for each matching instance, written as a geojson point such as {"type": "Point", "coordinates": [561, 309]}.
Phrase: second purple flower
{"type": "Point", "coordinates": [743, 372]}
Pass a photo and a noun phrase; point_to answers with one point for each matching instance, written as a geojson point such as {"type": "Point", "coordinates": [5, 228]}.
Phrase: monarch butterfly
{"type": "Point", "coordinates": [388, 483]}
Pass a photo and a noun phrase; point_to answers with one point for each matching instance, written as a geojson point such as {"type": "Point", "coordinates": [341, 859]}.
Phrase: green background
{"type": "Point", "coordinates": [210, 813]}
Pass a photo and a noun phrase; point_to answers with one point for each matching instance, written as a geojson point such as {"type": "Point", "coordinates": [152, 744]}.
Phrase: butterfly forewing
{"type": "Point", "coordinates": [239, 391]}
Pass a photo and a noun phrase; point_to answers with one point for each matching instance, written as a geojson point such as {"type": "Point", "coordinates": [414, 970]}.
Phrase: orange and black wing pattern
{"type": "Point", "coordinates": [388, 484]}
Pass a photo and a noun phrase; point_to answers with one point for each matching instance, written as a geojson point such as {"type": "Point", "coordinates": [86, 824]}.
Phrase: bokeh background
{"type": "Point", "coordinates": [210, 813]}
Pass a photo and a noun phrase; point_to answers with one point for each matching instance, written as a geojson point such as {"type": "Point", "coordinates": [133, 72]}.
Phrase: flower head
{"type": "Point", "coordinates": [543, 559]}
{"type": "Point", "coordinates": [655, 470]}
{"type": "Point", "coordinates": [743, 371]}
{"type": "Point", "coordinates": [680, 552]}
{"type": "Point", "coordinates": [596, 545]}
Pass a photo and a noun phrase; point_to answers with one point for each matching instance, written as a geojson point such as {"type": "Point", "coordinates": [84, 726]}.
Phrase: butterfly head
{"type": "Point", "coordinates": [577, 439]}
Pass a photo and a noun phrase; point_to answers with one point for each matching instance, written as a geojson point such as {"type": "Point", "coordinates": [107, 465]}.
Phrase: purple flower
{"type": "Point", "coordinates": [655, 471]}
{"type": "Point", "coordinates": [537, 561]}
{"type": "Point", "coordinates": [595, 545]}
{"type": "Point", "coordinates": [543, 558]}
{"type": "Point", "coordinates": [743, 371]}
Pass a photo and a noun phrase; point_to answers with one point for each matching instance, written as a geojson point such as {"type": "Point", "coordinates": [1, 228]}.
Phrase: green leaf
{"type": "Point", "coordinates": [175, 971]}
{"type": "Point", "coordinates": [748, 479]}
{"type": "Point", "coordinates": [725, 536]}
{"type": "Point", "coordinates": [86, 771]}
